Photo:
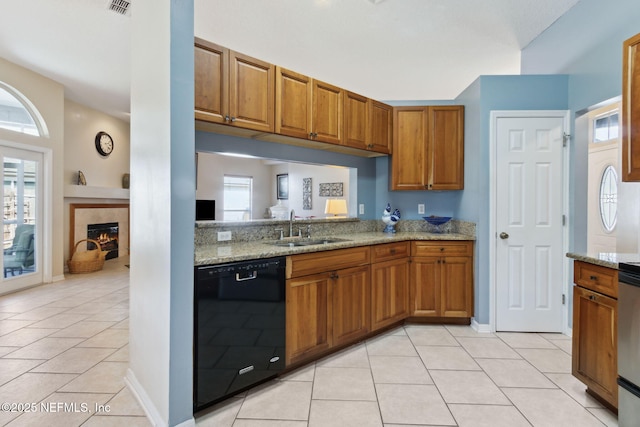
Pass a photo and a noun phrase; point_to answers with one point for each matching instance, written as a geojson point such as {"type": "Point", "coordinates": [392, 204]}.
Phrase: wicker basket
{"type": "Point", "coordinates": [87, 266]}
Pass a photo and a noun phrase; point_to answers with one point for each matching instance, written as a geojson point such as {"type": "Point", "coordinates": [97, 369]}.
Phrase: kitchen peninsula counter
{"type": "Point", "coordinates": [605, 259]}
{"type": "Point", "coordinates": [220, 253]}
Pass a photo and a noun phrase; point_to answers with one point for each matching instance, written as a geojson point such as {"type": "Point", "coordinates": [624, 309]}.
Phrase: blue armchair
{"type": "Point", "coordinates": [21, 254]}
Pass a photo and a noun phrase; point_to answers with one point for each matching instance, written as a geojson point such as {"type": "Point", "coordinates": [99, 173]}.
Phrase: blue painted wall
{"type": "Point", "coordinates": [585, 44]}
{"type": "Point", "coordinates": [487, 93]}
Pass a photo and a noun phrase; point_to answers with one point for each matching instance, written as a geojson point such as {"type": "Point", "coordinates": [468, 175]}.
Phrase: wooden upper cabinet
{"type": "Point", "coordinates": [326, 123]}
{"type": "Point", "coordinates": [356, 121]}
{"type": "Point", "coordinates": [380, 127]}
{"type": "Point", "coordinates": [631, 109]}
{"type": "Point", "coordinates": [293, 103]}
{"type": "Point", "coordinates": [233, 88]}
{"type": "Point", "coordinates": [308, 108]}
{"type": "Point", "coordinates": [409, 160]}
{"type": "Point", "coordinates": [446, 147]}
{"type": "Point", "coordinates": [251, 92]}
{"type": "Point", "coordinates": [428, 148]}
{"type": "Point", "coordinates": [211, 81]}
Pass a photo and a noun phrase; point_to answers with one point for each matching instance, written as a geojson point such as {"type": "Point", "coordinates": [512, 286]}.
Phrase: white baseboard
{"type": "Point", "coordinates": [147, 405]}
{"type": "Point", "coordinates": [569, 332]}
{"type": "Point", "coordinates": [143, 399]}
{"type": "Point", "coordinates": [58, 278]}
{"type": "Point", "coordinates": [483, 328]}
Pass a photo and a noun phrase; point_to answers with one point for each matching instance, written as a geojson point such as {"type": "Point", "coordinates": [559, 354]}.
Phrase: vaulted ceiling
{"type": "Point", "coordinates": [384, 49]}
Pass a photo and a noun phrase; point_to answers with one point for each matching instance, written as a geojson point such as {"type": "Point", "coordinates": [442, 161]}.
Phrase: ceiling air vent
{"type": "Point", "coordinates": [120, 6]}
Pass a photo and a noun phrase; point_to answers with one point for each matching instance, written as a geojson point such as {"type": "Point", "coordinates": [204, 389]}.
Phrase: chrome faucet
{"type": "Point", "coordinates": [292, 215]}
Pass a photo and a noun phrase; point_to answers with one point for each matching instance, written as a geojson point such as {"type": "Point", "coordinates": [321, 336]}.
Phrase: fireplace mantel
{"type": "Point", "coordinates": [88, 192]}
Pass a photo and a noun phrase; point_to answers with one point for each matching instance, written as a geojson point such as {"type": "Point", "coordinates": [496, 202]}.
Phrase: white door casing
{"type": "Point", "coordinates": [528, 202]}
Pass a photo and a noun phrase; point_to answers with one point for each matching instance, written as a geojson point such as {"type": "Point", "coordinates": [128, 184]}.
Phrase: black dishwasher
{"type": "Point", "coordinates": [239, 327]}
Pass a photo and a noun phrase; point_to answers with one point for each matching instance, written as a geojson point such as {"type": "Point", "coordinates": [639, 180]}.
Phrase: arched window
{"type": "Point", "coordinates": [17, 114]}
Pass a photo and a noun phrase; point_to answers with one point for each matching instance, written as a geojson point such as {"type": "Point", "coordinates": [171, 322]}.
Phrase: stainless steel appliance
{"type": "Point", "coordinates": [239, 327]}
{"type": "Point", "coordinates": [629, 344]}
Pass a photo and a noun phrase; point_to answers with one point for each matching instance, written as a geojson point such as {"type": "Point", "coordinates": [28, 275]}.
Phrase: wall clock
{"type": "Point", "coordinates": [104, 143]}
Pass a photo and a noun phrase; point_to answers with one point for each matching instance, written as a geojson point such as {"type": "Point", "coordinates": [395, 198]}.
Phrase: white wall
{"type": "Point", "coordinates": [162, 209]}
{"type": "Point", "coordinates": [211, 171]}
{"type": "Point", "coordinates": [319, 175]}
{"type": "Point", "coordinates": [80, 127]}
{"type": "Point", "coordinates": [81, 124]}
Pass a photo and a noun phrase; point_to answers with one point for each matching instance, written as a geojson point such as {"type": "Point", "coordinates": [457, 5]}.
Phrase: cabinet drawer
{"type": "Point", "coordinates": [441, 248]}
{"type": "Point", "coordinates": [320, 262]}
{"type": "Point", "coordinates": [595, 277]}
{"type": "Point", "coordinates": [389, 251]}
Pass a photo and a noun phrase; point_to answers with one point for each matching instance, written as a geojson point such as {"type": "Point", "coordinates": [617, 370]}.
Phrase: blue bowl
{"type": "Point", "coordinates": [437, 220]}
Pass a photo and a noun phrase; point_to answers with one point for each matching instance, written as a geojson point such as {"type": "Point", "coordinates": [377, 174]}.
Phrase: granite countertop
{"type": "Point", "coordinates": [239, 251]}
{"type": "Point", "coordinates": [605, 259]}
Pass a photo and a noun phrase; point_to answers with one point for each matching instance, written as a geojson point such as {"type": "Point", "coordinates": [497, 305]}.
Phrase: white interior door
{"type": "Point", "coordinates": [22, 218]}
{"type": "Point", "coordinates": [529, 206]}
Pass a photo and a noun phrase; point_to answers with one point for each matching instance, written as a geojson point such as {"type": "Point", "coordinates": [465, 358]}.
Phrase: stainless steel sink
{"type": "Point", "coordinates": [307, 242]}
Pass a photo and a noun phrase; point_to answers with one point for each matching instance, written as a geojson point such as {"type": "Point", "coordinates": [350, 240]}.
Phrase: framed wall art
{"type": "Point", "coordinates": [282, 186]}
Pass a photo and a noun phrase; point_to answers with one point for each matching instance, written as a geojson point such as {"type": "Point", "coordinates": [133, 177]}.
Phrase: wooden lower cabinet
{"type": "Point", "coordinates": [442, 286]}
{"type": "Point", "coordinates": [334, 298]}
{"type": "Point", "coordinates": [326, 310]}
{"type": "Point", "coordinates": [595, 343]}
{"type": "Point", "coordinates": [307, 324]}
{"type": "Point", "coordinates": [326, 306]}
{"type": "Point", "coordinates": [350, 308]}
{"type": "Point", "coordinates": [389, 292]}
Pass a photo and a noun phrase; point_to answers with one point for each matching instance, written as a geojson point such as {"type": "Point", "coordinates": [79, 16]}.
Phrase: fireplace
{"type": "Point", "coordinates": [107, 235]}
{"type": "Point", "coordinates": [82, 215]}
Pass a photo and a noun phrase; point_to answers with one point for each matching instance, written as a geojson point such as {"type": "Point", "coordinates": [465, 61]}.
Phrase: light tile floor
{"type": "Point", "coordinates": [67, 343]}
{"type": "Point", "coordinates": [426, 375]}
{"type": "Point", "coordinates": [64, 353]}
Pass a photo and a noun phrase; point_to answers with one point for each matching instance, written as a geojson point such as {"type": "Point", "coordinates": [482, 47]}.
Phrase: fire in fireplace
{"type": "Point", "coordinates": [107, 235]}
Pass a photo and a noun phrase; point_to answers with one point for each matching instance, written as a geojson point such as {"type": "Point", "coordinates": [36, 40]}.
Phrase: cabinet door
{"type": "Point", "coordinates": [293, 103]}
{"type": "Point", "coordinates": [307, 321]}
{"type": "Point", "coordinates": [351, 302]}
{"type": "Point", "coordinates": [380, 127]}
{"type": "Point", "coordinates": [425, 287]}
{"type": "Point", "coordinates": [327, 113]}
{"type": "Point", "coordinates": [211, 81]}
{"type": "Point", "coordinates": [631, 109]}
{"type": "Point", "coordinates": [457, 287]}
{"type": "Point", "coordinates": [356, 121]}
{"type": "Point", "coordinates": [389, 292]}
{"type": "Point", "coordinates": [408, 162]}
{"type": "Point", "coordinates": [251, 92]}
{"type": "Point", "coordinates": [446, 147]}
{"type": "Point", "coordinates": [595, 342]}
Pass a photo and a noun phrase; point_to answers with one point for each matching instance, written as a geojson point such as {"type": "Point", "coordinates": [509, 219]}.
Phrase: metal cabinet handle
{"type": "Point", "coordinates": [504, 235]}
{"type": "Point", "coordinates": [593, 278]}
{"type": "Point", "coordinates": [227, 118]}
{"type": "Point", "coordinates": [233, 119]}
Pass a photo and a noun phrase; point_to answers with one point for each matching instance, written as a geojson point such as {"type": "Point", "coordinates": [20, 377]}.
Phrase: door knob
{"type": "Point", "coordinates": [504, 235]}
